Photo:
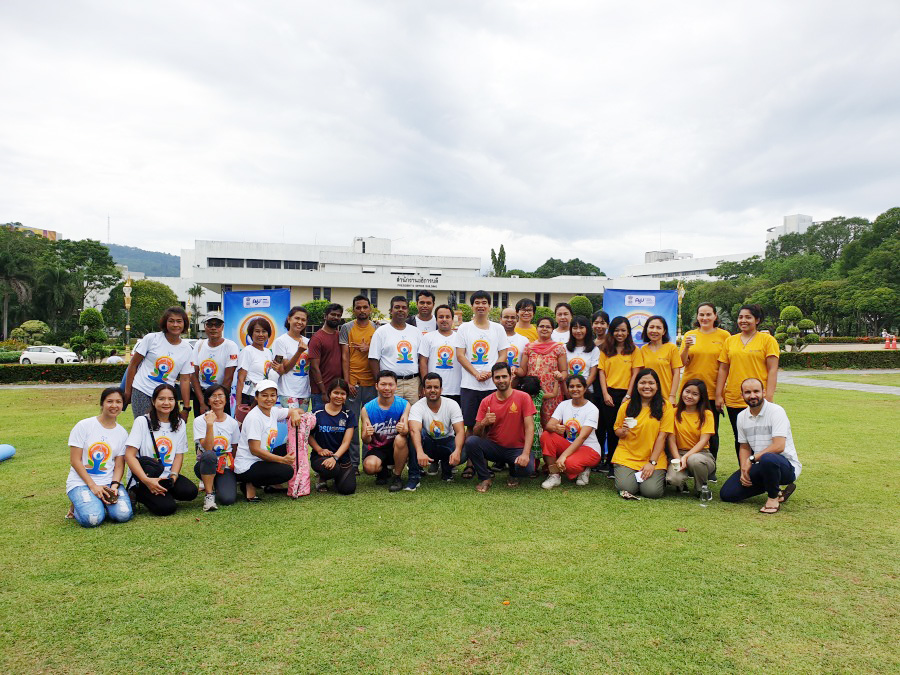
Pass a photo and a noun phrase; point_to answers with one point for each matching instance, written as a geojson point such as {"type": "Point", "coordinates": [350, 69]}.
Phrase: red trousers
{"type": "Point", "coordinates": [553, 445]}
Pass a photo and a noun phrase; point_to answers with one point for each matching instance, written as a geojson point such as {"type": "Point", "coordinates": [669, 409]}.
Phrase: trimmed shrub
{"type": "Point", "coordinates": [12, 346]}
{"type": "Point", "coordinates": [542, 312]}
{"type": "Point", "coordinates": [823, 360]}
{"type": "Point", "coordinates": [849, 340]}
{"type": "Point", "coordinates": [581, 306]}
{"type": "Point", "coordinates": [466, 311]}
{"type": "Point", "coordinates": [791, 314]}
{"type": "Point", "coordinates": [63, 372]}
{"type": "Point", "coordinates": [10, 357]}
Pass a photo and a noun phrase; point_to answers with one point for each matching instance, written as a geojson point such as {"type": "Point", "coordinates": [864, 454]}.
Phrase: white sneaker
{"type": "Point", "coordinates": [552, 481]}
{"type": "Point", "coordinates": [209, 502]}
{"type": "Point", "coordinates": [583, 477]}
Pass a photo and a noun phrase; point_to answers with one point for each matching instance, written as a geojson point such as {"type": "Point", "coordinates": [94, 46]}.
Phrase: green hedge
{"type": "Point", "coordinates": [10, 357]}
{"type": "Point", "coordinates": [64, 372]}
{"type": "Point", "coordinates": [886, 358]}
{"type": "Point", "coordinates": [848, 340]}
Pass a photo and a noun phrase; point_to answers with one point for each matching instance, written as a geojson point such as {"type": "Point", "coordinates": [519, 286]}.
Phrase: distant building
{"type": "Point", "coordinates": [796, 224]}
{"type": "Point", "coordinates": [46, 234]}
{"type": "Point", "coordinates": [668, 265]}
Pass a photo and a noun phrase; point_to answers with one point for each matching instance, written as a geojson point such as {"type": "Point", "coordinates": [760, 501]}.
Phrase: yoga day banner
{"type": "Point", "coordinates": [638, 306]}
{"type": "Point", "coordinates": [241, 307]}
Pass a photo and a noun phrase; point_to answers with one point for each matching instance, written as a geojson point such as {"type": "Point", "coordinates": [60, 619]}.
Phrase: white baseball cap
{"type": "Point", "coordinates": [265, 384]}
{"type": "Point", "coordinates": [214, 316]}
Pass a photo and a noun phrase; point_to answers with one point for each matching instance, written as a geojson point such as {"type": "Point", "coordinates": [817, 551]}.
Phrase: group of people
{"type": "Point", "coordinates": [570, 396]}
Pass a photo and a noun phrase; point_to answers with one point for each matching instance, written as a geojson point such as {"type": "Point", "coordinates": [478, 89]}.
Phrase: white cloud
{"type": "Point", "coordinates": [588, 129]}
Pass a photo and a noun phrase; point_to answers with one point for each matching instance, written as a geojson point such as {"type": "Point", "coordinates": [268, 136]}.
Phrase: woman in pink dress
{"type": "Point", "coordinates": [546, 360]}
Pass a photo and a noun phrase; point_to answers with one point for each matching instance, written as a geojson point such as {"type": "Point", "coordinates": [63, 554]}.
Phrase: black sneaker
{"type": "Point", "coordinates": [381, 478]}
{"type": "Point", "coordinates": [396, 483]}
{"type": "Point", "coordinates": [432, 469]}
{"type": "Point", "coordinates": [712, 478]}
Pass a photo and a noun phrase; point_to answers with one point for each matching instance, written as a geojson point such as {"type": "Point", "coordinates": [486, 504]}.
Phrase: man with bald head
{"type": "Point", "coordinates": [767, 455]}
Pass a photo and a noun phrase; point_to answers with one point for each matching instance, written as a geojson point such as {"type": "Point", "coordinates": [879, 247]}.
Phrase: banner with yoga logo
{"type": "Point", "coordinates": [638, 306]}
{"type": "Point", "coordinates": [241, 307]}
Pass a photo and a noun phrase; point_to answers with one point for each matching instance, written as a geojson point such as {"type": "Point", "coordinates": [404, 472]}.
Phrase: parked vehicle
{"type": "Point", "coordinates": [48, 354]}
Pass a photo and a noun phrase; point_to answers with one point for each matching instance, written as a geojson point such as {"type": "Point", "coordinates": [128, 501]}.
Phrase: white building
{"type": "Point", "coordinates": [682, 266]}
{"type": "Point", "coordinates": [367, 266]}
{"type": "Point", "coordinates": [796, 224]}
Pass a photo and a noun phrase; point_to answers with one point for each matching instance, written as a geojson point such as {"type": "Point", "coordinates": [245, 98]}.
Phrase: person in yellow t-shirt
{"type": "Point", "coordinates": [661, 354]}
{"type": "Point", "coordinates": [689, 445]}
{"type": "Point", "coordinates": [700, 350]}
{"type": "Point", "coordinates": [525, 314]}
{"type": "Point", "coordinates": [620, 361]}
{"type": "Point", "coordinates": [642, 424]}
{"type": "Point", "coordinates": [747, 354]}
{"type": "Point", "coordinates": [355, 338]}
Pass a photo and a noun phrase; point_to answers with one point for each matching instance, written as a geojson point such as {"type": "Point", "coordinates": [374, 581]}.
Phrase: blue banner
{"type": "Point", "coordinates": [241, 307]}
{"type": "Point", "coordinates": [638, 306]}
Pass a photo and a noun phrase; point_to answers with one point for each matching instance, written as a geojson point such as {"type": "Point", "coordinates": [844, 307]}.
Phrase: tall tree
{"type": "Point", "coordinates": [92, 265]}
{"type": "Point", "coordinates": [195, 292]}
{"type": "Point", "coordinates": [16, 265]}
{"type": "Point", "coordinates": [498, 262]}
{"type": "Point", "coordinates": [149, 299]}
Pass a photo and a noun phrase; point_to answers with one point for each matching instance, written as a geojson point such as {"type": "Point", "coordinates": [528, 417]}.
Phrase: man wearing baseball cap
{"type": "Point", "coordinates": [214, 360]}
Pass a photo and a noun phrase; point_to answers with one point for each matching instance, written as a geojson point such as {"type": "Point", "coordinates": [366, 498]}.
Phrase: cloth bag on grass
{"type": "Point", "coordinates": [297, 437]}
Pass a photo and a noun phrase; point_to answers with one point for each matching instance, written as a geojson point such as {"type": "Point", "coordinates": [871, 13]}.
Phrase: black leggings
{"type": "Point", "coordinates": [609, 419]}
{"type": "Point", "coordinates": [600, 431]}
{"type": "Point", "coordinates": [225, 483]}
{"type": "Point", "coordinates": [343, 474]}
{"type": "Point", "coordinates": [183, 490]}
{"type": "Point", "coordinates": [268, 473]}
{"type": "Point", "coordinates": [732, 417]}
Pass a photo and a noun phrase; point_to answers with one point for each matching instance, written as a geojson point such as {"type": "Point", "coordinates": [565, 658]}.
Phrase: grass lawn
{"type": "Point", "coordinates": [888, 379]}
{"type": "Point", "coordinates": [381, 582]}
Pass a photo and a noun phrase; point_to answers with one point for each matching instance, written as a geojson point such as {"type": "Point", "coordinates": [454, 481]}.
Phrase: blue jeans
{"type": "Point", "coordinates": [90, 510]}
{"type": "Point", "coordinates": [768, 475]}
{"type": "Point", "coordinates": [481, 449]}
{"type": "Point", "coordinates": [438, 449]}
{"type": "Point", "coordinates": [317, 402]}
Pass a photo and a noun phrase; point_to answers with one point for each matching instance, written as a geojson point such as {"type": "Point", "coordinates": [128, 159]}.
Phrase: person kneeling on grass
{"type": "Point", "coordinates": [689, 445]}
{"type": "Point", "coordinates": [503, 431]}
{"type": "Point", "coordinates": [155, 452]}
{"type": "Point", "coordinates": [255, 463]}
{"type": "Point", "coordinates": [330, 440]}
{"type": "Point", "coordinates": [383, 423]}
{"type": "Point", "coordinates": [768, 458]}
{"type": "Point", "coordinates": [437, 433]}
{"type": "Point", "coordinates": [642, 423]}
{"type": "Point", "coordinates": [569, 443]}
{"type": "Point", "coordinates": [97, 456]}
{"type": "Point", "coordinates": [216, 435]}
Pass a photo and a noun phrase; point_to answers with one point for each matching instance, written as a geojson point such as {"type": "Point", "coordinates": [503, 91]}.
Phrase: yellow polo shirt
{"type": "Point", "coordinates": [663, 360]}
{"type": "Point", "coordinates": [618, 368]}
{"type": "Point", "coordinates": [635, 449]}
{"type": "Point", "coordinates": [704, 358]}
{"type": "Point", "coordinates": [746, 360]}
{"type": "Point", "coordinates": [688, 431]}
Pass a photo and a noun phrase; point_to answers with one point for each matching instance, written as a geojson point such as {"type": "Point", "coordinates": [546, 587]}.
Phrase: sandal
{"type": "Point", "coordinates": [468, 472]}
{"type": "Point", "coordinates": [512, 482]}
{"type": "Point", "coordinates": [254, 500]}
{"type": "Point", "coordinates": [322, 486]}
{"type": "Point", "coordinates": [769, 510]}
{"type": "Point", "coordinates": [625, 494]}
{"type": "Point", "coordinates": [785, 494]}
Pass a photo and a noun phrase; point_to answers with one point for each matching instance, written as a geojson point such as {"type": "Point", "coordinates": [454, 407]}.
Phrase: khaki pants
{"type": "Point", "coordinates": [699, 465]}
{"type": "Point", "coordinates": [409, 389]}
{"type": "Point", "coordinates": [654, 487]}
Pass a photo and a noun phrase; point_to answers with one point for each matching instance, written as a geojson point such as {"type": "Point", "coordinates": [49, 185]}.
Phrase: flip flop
{"type": "Point", "coordinates": [468, 472]}
{"type": "Point", "coordinates": [625, 494]}
{"type": "Point", "coordinates": [769, 510]}
{"type": "Point", "coordinates": [512, 483]}
{"type": "Point", "coordinates": [787, 492]}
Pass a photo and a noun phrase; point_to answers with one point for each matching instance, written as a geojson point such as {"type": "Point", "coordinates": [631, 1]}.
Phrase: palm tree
{"type": "Point", "coordinates": [15, 278]}
{"type": "Point", "coordinates": [195, 292]}
{"type": "Point", "coordinates": [55, 293]}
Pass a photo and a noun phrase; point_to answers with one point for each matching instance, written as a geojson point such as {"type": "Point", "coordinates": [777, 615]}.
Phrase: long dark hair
{"type": "Point", "coordinates": [589, 345]}
{"type": "Point", "coordinates": [702, 404]}
{"type": "Point", "coordinates": [665, 336]}
{"type": "Point", "coordinates": [609, 342]}
{"type": "Point", "coordinates": [109, 391]}
{"type": "Point", "coordinates": [636, 402]}
{"type": "Point", "coordinates": [174, 416]}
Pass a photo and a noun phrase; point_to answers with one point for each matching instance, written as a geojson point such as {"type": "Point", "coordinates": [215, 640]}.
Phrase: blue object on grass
{"type": "Point", "coordinates": [7, 451]}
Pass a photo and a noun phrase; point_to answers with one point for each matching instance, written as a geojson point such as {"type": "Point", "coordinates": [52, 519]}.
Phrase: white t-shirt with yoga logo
{"type": "Point", "coordinates": [213, 361]}
{"type": "Point", "coordinates": [168, 443]}
{"type": "Point", "coordinates": [517, 344]}
{"type": "Point", "coordinates": [396, 350]}
{"type": "Point", "coordinates": [99, 448]}
{"type": "Point", "coordinates": [225, 434]}
{"type": "Point", "coordinates": [437, 424]}
{"type": "Point", "coordinates": [257, 363]}
{"type": "Point", "coordinates": [481, 346]}
{"type": "Point", "coordinates": [295, 383]}
{"type": "Point", "coordinates": [573, 419]}
{"type": "Point", "coordinates": [440, 350]}
{"type": "Point", "coordinates": [260, 427]}
{"type": "Point", "coordinates": [163, 362]}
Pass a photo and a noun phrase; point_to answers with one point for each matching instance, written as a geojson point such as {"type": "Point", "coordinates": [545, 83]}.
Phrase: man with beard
{"type": "Point", "coordinates": [355, 338]}
{"type": "Point", "coordinates": [436, 431]}
{"type": "Point", "coordinates": [504, 430]}
{"type": "Point", "coordinates": [767, 455]}
{"type": "Point", "coordinates": [325, 356]}
{"type": "Point", "coordinates": [424, 319]}
{"type": "Point", "coordinates": [395, 347]}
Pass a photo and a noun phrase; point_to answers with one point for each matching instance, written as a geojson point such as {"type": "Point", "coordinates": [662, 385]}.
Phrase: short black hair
{"type": "Point", "coordinates": [386, 373]}
{"type": "Point", "coordinates": [360, 297]}
{"type": "Point", "coordinates": [563, 304]}
{"type": "Point", "coordinates": [577, 378]}
{"type": "Point", "coordinates": [426, 293]}
{"type": "Point", "coordinates": [212, 389]}
{"type": "Point", "coordinates": [262, 323]}
{"type": "Point", "coordinates": [433, 376]}
{"type": "Point", "coordinates": [501, 365]}
{"type": "Point", "coordinates": [399, 298]}
{"type": "Point", "coordinates": [169, 312]}
{"type": "Point", "coordinates": [665, 324]}
{"type": "Point", "coordinates": [447, 307]}
{"type": "Point", "coordinates": [525, 302]}
{"type": "Point", "coordinates": [478, 295]}
{"type": "Point", "coordinates": [109, 391]}
{"type": "Point", "coordinates": [332, 307]}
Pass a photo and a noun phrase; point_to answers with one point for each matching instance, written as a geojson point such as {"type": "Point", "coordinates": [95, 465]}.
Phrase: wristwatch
{"type": "Point", "coordinates": [653, 462]}
{"type": "Point", "coordinates": [187, 408]}
{"type": "Point", "coordinates": [753, 459]}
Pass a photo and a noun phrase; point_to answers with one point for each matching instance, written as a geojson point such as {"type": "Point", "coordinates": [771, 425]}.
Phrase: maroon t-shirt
{"type": "Point", "coordinates": [325, 347]}
{"type": "Point", "coordinates": [509, 429]}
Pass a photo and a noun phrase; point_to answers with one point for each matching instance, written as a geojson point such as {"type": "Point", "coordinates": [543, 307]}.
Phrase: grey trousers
{"type": "Point", "coordinates": [699, 465]}
{"type": "Point", "coordinates": [363, 396]}
{"type": "Point", "coordinates": [140, 403]}
{"type": "Point", "coordinates": [654, 487]}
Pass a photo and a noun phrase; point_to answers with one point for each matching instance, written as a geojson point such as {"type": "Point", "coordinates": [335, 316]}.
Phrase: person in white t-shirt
{"type": "Point", "coordinates": [97, 456]}
{"type": "Point", "coordinates": [582, 355]}
{"type": "Point", "coordinates": [395, 347]}
{"type": "Point", "coordinates": [568, 442]}
{"type": "Point", "coordinates": [480, 343]}
{"type": "Point", "coordinates": [215, 362]}
{"type": "Point", "coordinates": [437, 433]}
{"type": "Point", "coordinates": [437, 353]}
{"type": "Point", "coordinates": [291, 359]}
{"type": "Point", "coordinates": [563, 314]}
{"type": "Point", "coordinates": [257, 462]}
{"type": "Point", "coordinates": [424, 319]}
{"type": "Point", "coordinates": [255, 360]}
{"type": "Point", "coordinates": [768, 458]}
{"type": "Point", "coordinates": [216, 436]}
{"type": "Point", "coordinates": [114, 358]}
{"type": "Point", "coordinates": [159, 358]}
{"type": "Point", "coordinates": [517, 342]}
{"type": "Point", "coordinates": [155, 451]}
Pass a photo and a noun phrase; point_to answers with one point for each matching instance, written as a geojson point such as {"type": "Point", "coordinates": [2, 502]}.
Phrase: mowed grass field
{"type": "Point", "coordinates": [417, 582]}
{"type": "Point", "coordinates": [887, 379]}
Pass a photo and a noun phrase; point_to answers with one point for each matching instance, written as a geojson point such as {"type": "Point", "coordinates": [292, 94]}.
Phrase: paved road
{"type": "Point", "coordinates": [802, 377]}
{"type": "Point", "coordinates": [77, 385]}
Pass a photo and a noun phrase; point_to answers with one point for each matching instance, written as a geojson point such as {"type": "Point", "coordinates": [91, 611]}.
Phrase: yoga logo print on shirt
{"type": "Point", "coordinates": [161, 368]}
{"type": "Point", "coordinates": [436, 429]}
{"type": "Point", "coordinates": [98, 455]}
{"type": "Point", "coordinates": [444, 356]}
{"type": "Point", "coordinates": [573, 428]}
{"type": "Point", "coordinates": [166, 449]}
{"type": "Point", "coordinates": [270, 441]}
{"type": "Point", "coordinates": [208, 371]}
{"type": "Point", "coordinates": [220, 445]}
{"type": "Point", "coordinates": [404, 352]}
{"type": "Point", "coordinates": [512, 356]}
{"type": "Point", "coordinates": [577, 366]}
{"type": "Point", "coordinates": [480, 350]}
{"type": "Point", "coordinates": [300, 367]}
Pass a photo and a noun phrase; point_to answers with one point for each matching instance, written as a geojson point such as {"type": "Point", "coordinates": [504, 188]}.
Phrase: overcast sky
{"type": "Point", "coordinates": [587, 129]}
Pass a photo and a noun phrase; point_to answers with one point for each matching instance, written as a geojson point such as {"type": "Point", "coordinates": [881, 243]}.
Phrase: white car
{"type": "Point", "coordinates": [48, 354]}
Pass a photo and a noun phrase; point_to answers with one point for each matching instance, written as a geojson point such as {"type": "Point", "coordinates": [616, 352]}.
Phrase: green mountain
{"type": "Point", "coordinates": [151, 263]}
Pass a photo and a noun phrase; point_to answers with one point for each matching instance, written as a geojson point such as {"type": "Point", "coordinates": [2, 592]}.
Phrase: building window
{"type": "Point", "coordinates": [292, 264]}
{"type": "Point", "coordinates": [451, 298]}
{"type": "Point", "coordinates": [326, 293]}
{"type": "Point", "coordinates": [364, 247]}
{"type": "Point", "coordinates": [504, 300]}
{"type": "Point", "coordinates": [309, 265]}
{"type": "Point", "coordinates": [462, 297]}
{"type": "Point", "coordinates": [542, 296]}
{"type": "Point", "coordinates": [213, 306]}
{"type": "Point", "coordinates": [272, 264]}
{"type": "Point", "coordinates": [409, 295]}
{"type": "Point", "coordinates": [254, 263]}
{"type": "Point", "coordinates": [215, 262]}
{"type": "Point", "coordinates": [234, 262]}
{"type": "Point", "coordinates": [495, 299]}
{"type": "Point", "coordinates": [373, 296]}
{"type": "Point", "coordinates": [317, 293]}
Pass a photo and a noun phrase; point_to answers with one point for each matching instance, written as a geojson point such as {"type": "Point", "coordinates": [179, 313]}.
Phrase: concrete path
{"type": "Point", "coordinates": [76, 385]}
{"type": "Point", "coordinates": [802, 377]}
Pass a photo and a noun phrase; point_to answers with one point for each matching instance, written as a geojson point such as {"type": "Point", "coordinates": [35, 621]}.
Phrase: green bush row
{"type": "Point", "coordinates": [10, 357]}
{"type": "Point", "coordinates": [886, 358]}
{"type": "Point", "coordinates": [847, 340]}
{"type": "Point", "coordinates": [64, 372]}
